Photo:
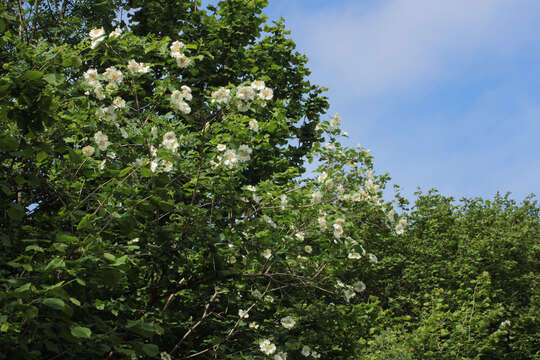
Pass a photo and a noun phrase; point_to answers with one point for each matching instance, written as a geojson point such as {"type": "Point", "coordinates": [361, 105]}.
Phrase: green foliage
{"type": "Point", "coordinates": [462, 282]}
{"type": "Point", "coordinates": [188, 231]}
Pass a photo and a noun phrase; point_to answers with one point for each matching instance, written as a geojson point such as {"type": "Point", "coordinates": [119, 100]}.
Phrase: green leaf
{"type": "Point", "coordinates": [33, 75]}
{"type": "Point", "coordinates": [75, 301]}
{"type": "Point", "coordinates": [54, 79]}
{"type": "Point", "coordinates": [85, 223]}
{"type": "Point", "coordinates": [42, 155]}
{"type": "Point", "coordinates": [150, 349]}
{"type": "Point", "coordinates": [23, 288]}
{"type": "Point", "coordinates": [34, 248]}
{"type": "Point", "coordinates": [81, 332]}
{"type": "Point", "coordinates": [109, 257]}
{"type": "Point", "coordinates": [55, 263]}
{"type": "Point", "coordinates": [66, 238]}
{"type": "Point", "coordinates": [54, 303]}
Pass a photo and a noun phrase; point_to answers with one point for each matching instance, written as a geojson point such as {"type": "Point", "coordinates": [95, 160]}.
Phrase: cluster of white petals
{"type": "Point", "coordinates": [102, 141]}
{"type": "Point", "coordinates": [96, 37]}
{"type": "Point", "coordinates": [267, 254]}
{"type": "Point", "coordinates": [170, 141]}
{"type": "Point", "coordinates": [221, 96]}
{"type": "Point", "coordinates": [113, 75]}
{"type": "Point", "coordinates": [116, 33]}
{"type": "Point", "coordinates": [335, 122]}
{"type": "Point", "coordinates": [280, 356]}
{"type": "Point", "coordinates": [267, 347]}
{"type": "Point", "coordinates": [255, 93]}
{"type": "Point", "coordinates": [176, 52]}
{"type": "Point", "coordinates": [230, 157]}
{"type": "Point", "coordinates": [243, 314]}
{"type": "Point", "coordinates": [254, 125]}
{"type": "Point", "coordinates": [135, 67]}
{"type": "Point", "coordinates": [288, 322]}
{"type": "Point", "coordinates": [338, 228]}
{"type": "Point", "coordinates": [179, 99]}
{"type": "Point", "coordinates": [88, 150]}
{"type": "Point", "coordinates": [400, 227]}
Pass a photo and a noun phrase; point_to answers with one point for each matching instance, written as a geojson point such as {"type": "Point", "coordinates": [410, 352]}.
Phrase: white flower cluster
{"type": "Point", "coordinates": [176, 52]}
{"type": "Point", "coordinates": [98, 35]}
{"type": "Point", "coordinates": [112, 75]}
{"type": "Point", "coordinates": [230, 157]}
{"type": "Point", "coordinates": [335, 122]}
{"type": "Point", "coordinates": [256, 93]}
{"type": "Point", "coordinates": [221, 96]}
{"type": "Point", "coordinates": [179, 99]}
{"type": "Point", "coordinates": [400, 227]}
{"type": "Point", "coordinates": [135, 67]}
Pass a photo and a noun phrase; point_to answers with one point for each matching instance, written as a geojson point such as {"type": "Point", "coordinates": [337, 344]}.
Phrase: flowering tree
{"type": "Point", "coordinates": [133, 225]}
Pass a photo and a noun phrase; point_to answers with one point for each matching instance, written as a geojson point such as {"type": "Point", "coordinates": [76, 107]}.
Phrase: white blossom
{"type": "Point", "coordinates": [253, 325]}
{"type": "Point", "coordinates": [316, 196]}
{"type": "Point", "coordinates": [335, 121]}
{"type": "Point", "coordinates": [221, 147]}
{"type": "Point", "coordinates": [244, 152]}
{"type": "Point", "coordinates": [306, 350]}
{"type": "Point", "coordinates": [359, 286]}
{"type": "Point", "coordinates": [101, 140]}
{"type": "Point", "coordinates": [349, 294]}
{"type": "Point", "coordinates": [119, 103]}
{"type": "Point", "coordinates": [170, 142]}
{"type": "Point", "coordinates": [243, 314]}
{"type": "Point", "coordinates": [167, 165]}
{"type": "Point", "coordinates": [254, 125]}
{"type": "Point", "coordinates": [288, 322]}
{"type": "Point", "coordinates": [182, 61]}
{"type": "Point", "coordinates": [245, 93]}
{"type": "Point", "coordinates": [308, 249]}
{"type": "Point", "coordinates": [266, 94]}
{"type": "Point", "coordinates": [88, 150]}
{"type": "Point", "coordinates": [258, 85]}
{"type": "Point", "coordinates": [267, 347]}
{"type": "Point", "coordinates": [154, 164]}
{"type": "Point", "coordinates": [230, 158]}
{"type": "Point", "coordinates": [96, 37]}
{"type": "Point", "coordinates": [267, 253]}
{"type": "Point", "coordinates": [116, 33]}
{"type": "Point", "coordinates": [176, 48]}
{"type": "Point", "coordinates": [221, 96]}
{"type": "Point", "coordinates": [354, 255]}
{"type": "Point", "coordinates": [91, 77]}
{"type": "Point", "coordinates": [186, 92]}
{"type": "Point", "coordinates": [113, 75]}
{"type": "Point", "coordinates": [280, 356]}
{"type": "Point", "coordinates": [322, 177]}
{"type": "Point", "coordinates": [98, 91]}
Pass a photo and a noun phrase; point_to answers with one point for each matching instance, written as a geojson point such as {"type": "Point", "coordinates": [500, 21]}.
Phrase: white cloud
{"type": "Point", "coordinates": [403, 44]}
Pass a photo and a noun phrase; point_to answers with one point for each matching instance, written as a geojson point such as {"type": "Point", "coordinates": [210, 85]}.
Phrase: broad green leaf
{"type": "Point", "coordinates": [109, 257]}
{"type": "Point", "coordinates": [54, 303]}
{"type": "Point", "coordinates": [81, 332]}
{"type": "Point", "coordinates": [150, 349]}
{"type": "Point", "coordinates": [33, 75]}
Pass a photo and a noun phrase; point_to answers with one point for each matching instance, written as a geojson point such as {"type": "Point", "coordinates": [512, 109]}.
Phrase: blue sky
{"type": "Point", "coordinates": [446, 94]}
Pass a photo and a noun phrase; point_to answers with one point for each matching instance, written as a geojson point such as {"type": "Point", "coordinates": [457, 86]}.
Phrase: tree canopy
{"type": "Point", "coordinates": [155, 205]}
